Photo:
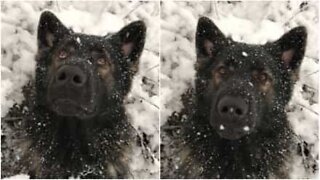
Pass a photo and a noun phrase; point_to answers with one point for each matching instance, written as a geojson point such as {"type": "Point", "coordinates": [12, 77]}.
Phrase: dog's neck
{"type": "Point", "coordinates": [76, 139]}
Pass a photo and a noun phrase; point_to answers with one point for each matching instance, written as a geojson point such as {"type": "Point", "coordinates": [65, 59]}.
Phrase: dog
{"type": "Point", "coordinates": [233, 124]}
{"type": "Point", "coordinates": [75, 124]}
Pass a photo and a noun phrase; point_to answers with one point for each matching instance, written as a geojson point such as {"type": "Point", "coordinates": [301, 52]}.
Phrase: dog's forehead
{"type": "Point", "coordinates": [86, 42]}
{"type": "Point", "coordinates": [245, 56]}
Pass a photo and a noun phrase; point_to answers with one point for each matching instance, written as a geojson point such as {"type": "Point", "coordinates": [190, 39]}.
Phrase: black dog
{"type": "Point", "coordinates": [234, 123]}
{"type": "Point", "coordinates": [76, 124]}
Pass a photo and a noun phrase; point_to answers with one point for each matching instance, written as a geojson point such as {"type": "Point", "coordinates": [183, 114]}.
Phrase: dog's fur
{"type": "Point", "coordinates": [259, 80]}
{"type": "Point", "coordinates": [80, 129]}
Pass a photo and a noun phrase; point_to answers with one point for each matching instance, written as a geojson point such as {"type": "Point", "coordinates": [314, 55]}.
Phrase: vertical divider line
{"type": "Point", "coordinates": [159, 81]}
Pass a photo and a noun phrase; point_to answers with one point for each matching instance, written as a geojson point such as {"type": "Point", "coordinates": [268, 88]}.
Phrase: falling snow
{"type": "Point", "coordinates": [244, 54]}
{"type": "Point", "coordinates": [79, 40]}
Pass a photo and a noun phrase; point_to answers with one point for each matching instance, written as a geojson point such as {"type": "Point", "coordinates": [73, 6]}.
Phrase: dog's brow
{"type": "Point", "coordinates": [69, 45]}
{"type": "Point", "coordinates": [97, 52]}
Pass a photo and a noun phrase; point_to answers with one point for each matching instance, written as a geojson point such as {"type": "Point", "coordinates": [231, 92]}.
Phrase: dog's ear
{"type": "Point", "coordinates": [132, 38]}
{"type": "Point", "coordinates": [50, 30]}
{"type": "Point", "coordinates": [290, 48]}
{"type": "Point", "coordinates": [209, 39]}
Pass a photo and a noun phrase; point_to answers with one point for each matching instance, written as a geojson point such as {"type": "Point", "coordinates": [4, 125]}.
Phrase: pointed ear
{"type": "Point", "coordinates": [132, 39]}
{"type": "Point", "coordinates": [50, 30]}
{"type": "Point", "coordinates": [209, 39]}
{"type": "Point", "coordinates": [290, 48]}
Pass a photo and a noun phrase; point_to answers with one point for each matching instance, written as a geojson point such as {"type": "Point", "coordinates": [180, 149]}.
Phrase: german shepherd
{"type": "Point", "coordinates": [76, 125]}
{"type": "Point", "coordinates": [234, 123]}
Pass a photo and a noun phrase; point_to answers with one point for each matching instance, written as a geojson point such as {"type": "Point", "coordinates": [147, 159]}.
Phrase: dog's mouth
{"type": "Point", "coordinates": [233, 133]}
{"type": "Point", "coordinates": [233, 128]}
{"type": "Point", "coordinates": [68, 107]}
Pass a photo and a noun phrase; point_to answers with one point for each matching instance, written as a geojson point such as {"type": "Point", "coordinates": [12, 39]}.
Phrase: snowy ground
{"type": "Point", "coordinates": [19, 22]}
{"type": "Point", "coordinates": [250, 22]}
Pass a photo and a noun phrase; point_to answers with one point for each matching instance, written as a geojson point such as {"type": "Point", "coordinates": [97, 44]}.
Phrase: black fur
{"type": "Point", "coordinates": [71, 141]}
{"type": "Point", "coordinates": [259, 77]}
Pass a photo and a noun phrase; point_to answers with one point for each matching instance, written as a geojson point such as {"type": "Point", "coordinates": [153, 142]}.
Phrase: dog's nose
{"type": "Point", "coordinates": [70, 75]}
{"type": "Point", "coordinates": [232, 107]}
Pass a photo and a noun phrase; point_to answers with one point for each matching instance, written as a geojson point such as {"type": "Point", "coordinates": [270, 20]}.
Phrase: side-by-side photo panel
{"type": "Point", "coordinates": [239, 90]}
{"type": "Point", "coordinates": [80, 90]}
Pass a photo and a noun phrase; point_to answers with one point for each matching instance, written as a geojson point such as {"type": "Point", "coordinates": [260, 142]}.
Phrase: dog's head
{"type": "Point", "coordinates": [79, 75]}
{"type": "Point", "coordinates": [241, 83]}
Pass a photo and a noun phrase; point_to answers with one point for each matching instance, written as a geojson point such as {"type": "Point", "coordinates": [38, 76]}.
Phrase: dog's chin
{"type": "Point", "coordinates": [70, 108]}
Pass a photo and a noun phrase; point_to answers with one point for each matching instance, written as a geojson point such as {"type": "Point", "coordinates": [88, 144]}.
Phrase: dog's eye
{"type": "Point", "coordinates": [222, 70]}
{"type": "Point", "coordinates": [261, 77]}
{"type": "Point", "coordinates": [101, 61]}
{"type": "Point", "coordinates": [63, 54]}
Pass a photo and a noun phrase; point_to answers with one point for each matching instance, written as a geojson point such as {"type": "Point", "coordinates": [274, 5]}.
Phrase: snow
{"type": "Point", "coordinates": [78, 40]}
{"type": "Point", "coordinates": [244, 54]}
{"type": "Point", "coordinates": [265, 21]}
{"type": "Point", "coordinates": [19, 46]}
{"type": "Point", "coordinates": [246, 128]}
{"type": "Point", "coordinates": [18, 177]}
{"type": "Point", "coordinates": [221, 127]}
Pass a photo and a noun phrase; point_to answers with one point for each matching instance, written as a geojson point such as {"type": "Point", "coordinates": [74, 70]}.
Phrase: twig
{"type": "Point", "coordinates": [167, 127]}
{"type": "Point", "coordinates": [135, 8]}
{"type": "Point", "coordinates": [309, 109]}
{"type": "Point", "coordinates": [152, 68]}
{"type": "Point", "coordinates": [216, 9]}
{"type": "Point", "coordinates": [310, 87]}
{"type": "Point", "coordinates": [148, 101]}
{"type": "Point", "coordinates": [310, 57]}
{"type": "Point", "coordinates": [143, 76]}
{"type": "Point", "coordinates": [152, 51]}
{"type": "Point", "coordinates": [11, 118]}
{"type": "Point", "coordinates": [295, 14]}
{"type": "Point", "coordinates": [312, 73]}
{"type": "Point", "coordinates": [58, 6]}
{"type": "Point", "coordinates": [150, 79]}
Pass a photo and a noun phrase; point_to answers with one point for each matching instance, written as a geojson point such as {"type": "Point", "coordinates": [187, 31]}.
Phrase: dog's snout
{"type": "Point", "coordinates": [231, 107]}
{"type": "Point", "coordinates": [70, 75]}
